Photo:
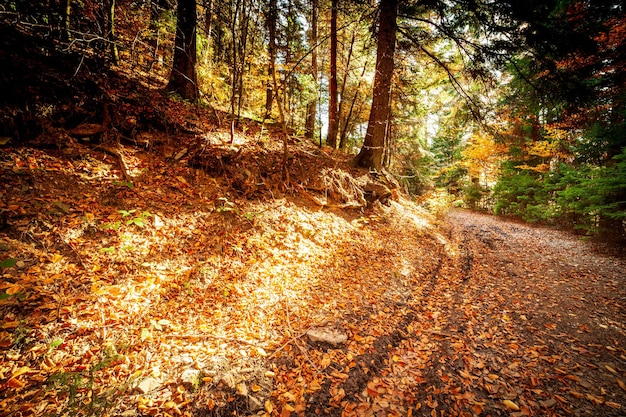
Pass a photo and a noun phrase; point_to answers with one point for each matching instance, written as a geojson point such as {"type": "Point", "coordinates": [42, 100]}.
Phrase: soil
{"type": "Point", "coordinates": [510, 320]}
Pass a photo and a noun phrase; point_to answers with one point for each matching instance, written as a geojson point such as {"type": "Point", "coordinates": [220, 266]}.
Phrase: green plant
{"type": "Point", "coordinates": [138, 220]}
{"type": "Point", "coordinates": [129, 217]}
{"type": "Point", "coordinates": [128, 184]}
{"type": "Point", "coordinates": [226, 206]}
{"type": "Point", "coordinates": [21, 335]}
{"type": "Point", "coordinates": [8, 263]}
{"type": "Point", "coordinates": [55, 343]}
{"type": "Point", "coordinates": [83, 397]}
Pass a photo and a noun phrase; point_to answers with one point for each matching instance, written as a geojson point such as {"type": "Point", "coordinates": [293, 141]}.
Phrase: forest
{"type": "Point", "coordinates": [312, 207]}
{"type": "Point", "coordinates": [505, 107]}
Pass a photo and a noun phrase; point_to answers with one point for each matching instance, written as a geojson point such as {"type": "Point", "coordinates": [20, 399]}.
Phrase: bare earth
{"type": "Point", "coordinates": [509, 320]}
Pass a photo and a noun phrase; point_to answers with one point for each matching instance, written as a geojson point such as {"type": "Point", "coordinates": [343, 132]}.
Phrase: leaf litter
{"type": "Point", "coordinates": [190, 291]}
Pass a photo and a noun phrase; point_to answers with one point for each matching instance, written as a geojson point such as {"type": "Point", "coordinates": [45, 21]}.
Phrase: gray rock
{"type": "Point", "coordinates": [254, 404]}
{"type": "Point", "coordinates": [191, 377]}
{"type": "Point", "coordinates": [327, 335]}
{"type": "Point", "coordinates": [148, 384]}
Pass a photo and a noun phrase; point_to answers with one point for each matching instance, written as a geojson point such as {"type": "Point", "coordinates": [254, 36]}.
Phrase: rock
{"type": "Point", "coordinates": [229, 380]}
{"type": "Point", "coordinates": [376, 192]}
{"type": "Point", "coordinates": [327, 335]}
{"type": "Point", "coordinates": [254, 404]}
{"type": "Point", "coordinates": [87, 130]}
{"type": "Point", "coordinates": [148, 384]}
{"type": "Point", "coordinates": [190, 377]}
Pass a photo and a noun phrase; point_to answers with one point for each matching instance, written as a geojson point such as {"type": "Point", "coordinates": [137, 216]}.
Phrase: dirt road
{"type": "Point", "coordinates": [545, 313]}
{"type": "Point", "coordinates": [509, 320]}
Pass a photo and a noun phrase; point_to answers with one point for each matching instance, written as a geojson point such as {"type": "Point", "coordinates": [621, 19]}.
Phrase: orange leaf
{"type": "Point", "coordinates": [594, 399]}
{"type": "Point", "coordinates": [13, 289]}
{"type": "Point", "coordinates": [576, 394]}
{"type": "Point", "coordinates": [15, 383]}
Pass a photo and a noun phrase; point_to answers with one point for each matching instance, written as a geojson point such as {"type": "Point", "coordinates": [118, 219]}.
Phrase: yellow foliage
{"type": "Point", "coordinates": [543, 148]}
{"type": "Point", "coordinates": [482, 156]}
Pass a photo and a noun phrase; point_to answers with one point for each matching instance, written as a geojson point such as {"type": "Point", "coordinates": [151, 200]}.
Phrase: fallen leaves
{"type": "Point", "coordinates": [510, 405]}
{"type": "Point", "coordinates": [225, 297]}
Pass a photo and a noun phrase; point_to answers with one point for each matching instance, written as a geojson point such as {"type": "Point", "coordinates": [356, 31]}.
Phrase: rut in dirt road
{"type": "Point", "coordinates": [509, 320]}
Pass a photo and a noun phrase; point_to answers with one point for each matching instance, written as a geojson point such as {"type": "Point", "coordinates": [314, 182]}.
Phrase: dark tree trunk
{"type": "Point", "coordinates": [66, 33]}
{"type": "Point", "coordinates": [333, 116]}
{"type": "Point", "coordinates": [110, 35]}
{"type": "Point", "coordinates": [271, 20]}
{"type": "Point", "coordinates": [371, 153]}
{"type": "Point", "coordinates": [183, 76]}
{"type": "Point", "coordinates": [311, 109]}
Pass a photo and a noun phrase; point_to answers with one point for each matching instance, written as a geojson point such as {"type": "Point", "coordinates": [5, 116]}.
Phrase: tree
{"type": "Point", "coordinates": [311, 110]}
{"type": "Point", "coordinates": [183, 76]}
{"type": "Point", "coordinates": [110, 31]}
{"type": "Point", "coordinates": [371, 153]}
{"type": "Point", "coordinates": [333, 106]}
{"type": "Point", "coordinates": [271, 20]}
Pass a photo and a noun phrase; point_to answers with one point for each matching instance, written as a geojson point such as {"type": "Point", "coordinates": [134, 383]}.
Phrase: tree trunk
{"type": "Point", "coordinates": [348, 119]}
{"type": "Point", "coordinates": [115, 57]}
{"type": "Point", "coordinates": [66, 33]}
{"type": "Point", "coordinates": [371, 153]}
{"type": "Point", "coordinates": [183, 77]}
{"type": "Point", "coordinates": [208, 27]}
{"type": "Point", "coordinates": [346, 73]}
{"type": "Point", "coordinates": [311, 109]}
{"type": "Point", "coordinates": [331, 139]}
{"type": "Point", "coordinates": [271, 19]}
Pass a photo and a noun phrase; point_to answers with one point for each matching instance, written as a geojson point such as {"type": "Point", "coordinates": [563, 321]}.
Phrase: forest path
{"type": "Point", "coordinates": [536, 324]}
{"type": "Point", "coordinates": [509, 320]}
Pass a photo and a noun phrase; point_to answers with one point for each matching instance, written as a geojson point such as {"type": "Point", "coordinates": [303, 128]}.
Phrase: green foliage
{"type": "Point", "coordinates": [8, 263]}
{"type": "Point", "coordinates": [473, 194]}
{"type": "Point", "coordinates": [595, 197]}
{"type": "Point", "coordinates": [131, 219]}
{"type": "Point", "coordinates": [83, 399]}
{"type": "Point", "coordinates": [519, 193]}
{"type": "Point", "coordinates": [586, 197]}
{"type": "Point", "coordinates": [128, 184]}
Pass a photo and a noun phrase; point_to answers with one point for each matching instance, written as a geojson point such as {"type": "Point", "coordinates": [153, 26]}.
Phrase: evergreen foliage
{"type": "Point", "coordinates": [585, 197]}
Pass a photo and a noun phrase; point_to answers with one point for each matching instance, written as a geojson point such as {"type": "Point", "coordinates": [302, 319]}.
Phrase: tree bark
{"type": "Point", "coordinates": [115, 57]}
{"type": "Point", "coordinates": [333, 116]}
{"type": "Point", "coordinates": [271, 20]}
{"type": "Point", "coordinates": [66, 33]}
{"type": "Point", "coordinates": [371, 153]}
{"type": "Point", "coordinates": [183, 77]}
{"type": "Point", "coordinates": [311, 110]}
